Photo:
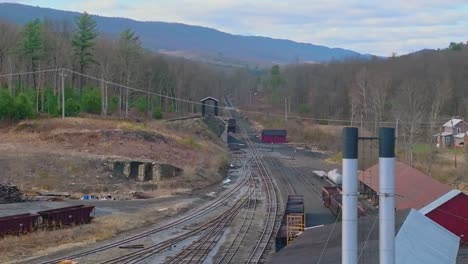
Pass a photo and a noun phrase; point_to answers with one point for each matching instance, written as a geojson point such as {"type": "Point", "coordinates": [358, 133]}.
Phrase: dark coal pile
{"type": "Point", "coordinates": [9, 193]}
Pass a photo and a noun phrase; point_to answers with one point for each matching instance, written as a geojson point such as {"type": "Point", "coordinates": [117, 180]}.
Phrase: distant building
{"type": "Point", "coordinates": [210, 106]}
{"type": "Point", "coordinates": [450, 211]}
{"type": "Point", "coordinates": [274, 136]}
{"type": "Point", "coordinates": [453, 133]}
{"type": "Point", "coordinates": [414, 189]}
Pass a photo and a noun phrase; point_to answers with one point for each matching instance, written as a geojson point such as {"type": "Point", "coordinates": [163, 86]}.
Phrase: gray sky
{"type": "Point", "coordinates": [377, 27]}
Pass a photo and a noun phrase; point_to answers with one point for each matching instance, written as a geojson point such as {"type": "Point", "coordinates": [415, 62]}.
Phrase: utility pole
{"type": "Point", "coordinates": [62, 75]}
{"type": "Point", "coordinates": [396, 130]}
{"type": "Point", "coordinates": [289, 104]}
{"type": "Point", "coordinates": [286, 110]}
{"type": "Point", "coordinates": [250, 97]}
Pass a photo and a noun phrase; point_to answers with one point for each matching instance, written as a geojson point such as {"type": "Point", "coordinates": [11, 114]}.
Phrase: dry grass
{"type": "Point", "coordinates": [43, 243]}
{"type": "Point", "coordinates": [325, 137]}
{"type": "Point", "coordinates": [84, 142]}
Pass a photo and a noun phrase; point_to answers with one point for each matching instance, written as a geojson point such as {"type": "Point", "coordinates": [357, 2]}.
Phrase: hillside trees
{"type": "Point", "coordinates": [31, 46]}
{"type": "Point", "coordinates": [83, 42]}
{"type": "Point", "coordinates": [129, 53]}
{"type": "Point", "coordinates": [8, 38]}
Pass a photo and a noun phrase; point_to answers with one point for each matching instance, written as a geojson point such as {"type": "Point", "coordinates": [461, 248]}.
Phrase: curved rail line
{"type": "Point", "coordinates": [204, 245]}
{"type": "Point", "coordinates": [271, 198]}
{"type": "Point", "coordinates": [196, 213]}
{"type": "Point", "coordinates": [244, 229]}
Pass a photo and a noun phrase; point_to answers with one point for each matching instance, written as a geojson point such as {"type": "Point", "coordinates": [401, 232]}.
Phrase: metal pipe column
{"type": "Point", "coordinates": [387, 195]}
{"type": "Point", "coordinates": [349, 249]}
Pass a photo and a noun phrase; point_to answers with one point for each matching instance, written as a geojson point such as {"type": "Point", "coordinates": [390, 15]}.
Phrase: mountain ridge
{"type": "Point", "coordinates": [199, 41]}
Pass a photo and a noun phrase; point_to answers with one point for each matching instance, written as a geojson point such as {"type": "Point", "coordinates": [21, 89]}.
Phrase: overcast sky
{"type": "Point", "coordinates": [367, 26]}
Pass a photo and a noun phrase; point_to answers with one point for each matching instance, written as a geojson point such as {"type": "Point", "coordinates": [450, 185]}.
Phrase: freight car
{"type": "Point", "coordinates": [66, 216]}
{"type": "Point", "coordinates": [18, 224]}
{"type": "Point", "coordinates": [331, 197]}
{"type": "Point", "coordinates": [49, 219]}
{"type": "Point", "coordinates": [293, 221]}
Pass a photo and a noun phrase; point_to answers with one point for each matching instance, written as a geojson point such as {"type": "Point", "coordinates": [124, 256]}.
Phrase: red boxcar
{"type": "Point", "coordinates": [331, 197]}
{"type": "Point", "coordinates": [18, 224]}
{"type": "Point", "coordinates": [274, 136]}
{"type": "Point", "coordinates": [72, 215]}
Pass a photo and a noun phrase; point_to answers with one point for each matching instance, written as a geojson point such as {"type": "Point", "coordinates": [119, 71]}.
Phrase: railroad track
{"type": "Point", "coordinates": [283, 176]}
{"type": "Point", "coordinates": [142, 254]}
{"type": "Point", "coordinates": [271, 223]}
{"type": "Point", "coordinates": [194, 215]}
{"type": "Point", "coordinates": [244, 229]}
{"type": "Point", "coordinates": [199, 250]}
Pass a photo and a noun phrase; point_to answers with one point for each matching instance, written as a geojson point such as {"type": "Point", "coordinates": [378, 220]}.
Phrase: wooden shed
{"type": "Point", "coordinates": [209, 106]}
{"type": "Point", "coordinates": [274, 136]}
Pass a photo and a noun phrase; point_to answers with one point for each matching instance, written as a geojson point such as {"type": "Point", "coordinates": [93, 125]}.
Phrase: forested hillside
{"type": "Point", "coordinates": [200, 43]}
{"type": "Point", "coordinates": [99, 69]}
{"type": "Point", "coordinates": [416, 88]}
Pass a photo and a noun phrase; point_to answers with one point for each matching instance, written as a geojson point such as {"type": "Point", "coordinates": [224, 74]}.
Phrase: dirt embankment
{"type": "Point", "coordinates": [76, 154]}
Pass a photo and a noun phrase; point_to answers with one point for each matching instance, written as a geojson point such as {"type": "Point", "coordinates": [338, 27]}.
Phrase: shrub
{"type": "Point", "coordinates": [157, 113]}
{"type": "Point", "coordinates": [50, 103]}
{"type": "Point", "coordinates": [304, 109]}
{"type": "Point", "coordinates": [141, 104]}
{"type": "Point", "coordinates": [7, 105]}
{"type": "Point", "coordinates": [91, 101]}
{"type": "Point", "coordinates": [72, 108]}
{"type": "Point", "coordinates": [113, 103]}
{"type": "Point", "coordinates": [23, 107]}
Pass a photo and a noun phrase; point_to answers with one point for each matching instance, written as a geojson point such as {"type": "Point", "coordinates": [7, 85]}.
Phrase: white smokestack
{"type": "Point", "coordinates": [387, 196]}
{"type": "Point", "coordinates": [349, 249]}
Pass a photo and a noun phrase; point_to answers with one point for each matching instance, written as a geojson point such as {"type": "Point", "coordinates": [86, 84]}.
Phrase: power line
{"type": "Point", "coordinates": [30, 72]}
{"type": "Point", "coordinates": [329, 120]}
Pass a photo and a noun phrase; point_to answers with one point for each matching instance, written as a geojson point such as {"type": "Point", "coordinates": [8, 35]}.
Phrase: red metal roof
{"type": "Point", "coordinates": [414, 189]}
{"type": "Point", "coordinates": [452, 214]}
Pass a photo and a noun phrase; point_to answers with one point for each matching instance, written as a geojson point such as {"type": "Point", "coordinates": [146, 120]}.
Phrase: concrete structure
{"type": "Point", "coordinates": [450, 211]}
{"type": "Point", "coordinates": [453, 133]}
{"type": "Point", "coordinates": [210, 106]}
{"type": "Point", "coordinates": [274, 136]}
{"type": "Point", "coordinates": [145, 170]}
{"type": "Point", "coordinates": [419, 240]}
{"type": "Point", "coordinates": [413, 188]}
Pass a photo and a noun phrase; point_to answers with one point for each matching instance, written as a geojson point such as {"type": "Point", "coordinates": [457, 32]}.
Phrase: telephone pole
{"type": "Point", "coordinates": [62, 75]}
{"type": "Point", "coordinates": [286, 110]}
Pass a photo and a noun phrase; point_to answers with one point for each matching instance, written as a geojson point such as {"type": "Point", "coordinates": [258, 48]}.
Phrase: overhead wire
{"type": "Point", "coordinates": [329, 236]}
{"type": "Point", "coordinates": [329, 120]}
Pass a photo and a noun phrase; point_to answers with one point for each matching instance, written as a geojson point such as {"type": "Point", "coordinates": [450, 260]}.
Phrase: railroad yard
{"type": "Point", "coordinates": [232, 222]}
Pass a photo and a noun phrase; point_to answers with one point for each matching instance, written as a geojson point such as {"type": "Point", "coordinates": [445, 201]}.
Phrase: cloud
{"type": "Point", "coordinates": [367, 26]}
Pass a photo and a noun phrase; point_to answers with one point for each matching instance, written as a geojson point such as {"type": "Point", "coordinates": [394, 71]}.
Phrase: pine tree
{"type": "Point", "coordinates": [31, 45]}
{"type": "Point", "coordinates": [83, 42]}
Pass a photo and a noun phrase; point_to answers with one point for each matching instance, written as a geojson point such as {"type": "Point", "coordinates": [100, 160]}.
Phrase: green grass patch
{"type": "Point", "coordinates": [422, 148]}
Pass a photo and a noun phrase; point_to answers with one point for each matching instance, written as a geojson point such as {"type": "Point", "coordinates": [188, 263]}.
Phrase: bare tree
{"type": "Point", "coordinates": [410, 109]}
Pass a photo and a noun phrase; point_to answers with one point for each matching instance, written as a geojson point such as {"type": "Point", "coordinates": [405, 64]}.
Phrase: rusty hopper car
{"type": "Point", "coordinates": [331, 197]}
{"type": "Point", "coordinates": [18, 224]}
{"type": "Point", "coordinates": [66, 216]}
{"type": "Point", "coordinates": [293, 221]}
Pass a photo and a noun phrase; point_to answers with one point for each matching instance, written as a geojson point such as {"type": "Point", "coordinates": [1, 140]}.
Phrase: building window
{"type": "Point", "coordinates": [458, 130]}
